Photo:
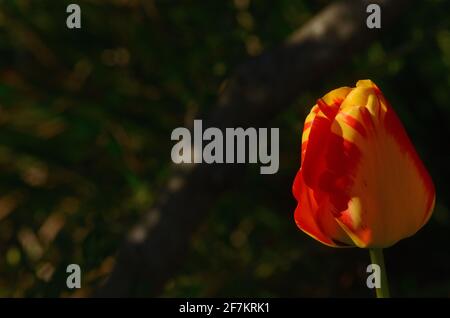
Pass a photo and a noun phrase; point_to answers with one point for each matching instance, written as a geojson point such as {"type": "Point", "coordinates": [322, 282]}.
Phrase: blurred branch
{"type": "Point", "coordinates": [29, 40]}
{"type": "Point", "coordinates": [258, 90]}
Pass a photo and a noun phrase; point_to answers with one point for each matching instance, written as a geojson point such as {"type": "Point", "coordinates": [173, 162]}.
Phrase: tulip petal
{"type": "Point", "coordinates": [314, 158]}
{"type": "Point", "coordinates": [304, 213]}
{"type": "Point", "coordinates": [314, 219]}
{"type": "Point", "coordinates": [389, 192]}
{"type": "Point", "coordinates": [318, 125]}
{"type": "Point", "coordinates": [307, 129]}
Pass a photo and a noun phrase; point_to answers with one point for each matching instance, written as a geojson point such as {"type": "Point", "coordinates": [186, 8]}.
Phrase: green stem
{"type": "Point", "coordinates": [376, 256]}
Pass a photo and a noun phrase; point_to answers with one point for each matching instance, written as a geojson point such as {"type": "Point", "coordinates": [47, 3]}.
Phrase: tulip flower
{"type": "Point", "coordinates": [361, 182]}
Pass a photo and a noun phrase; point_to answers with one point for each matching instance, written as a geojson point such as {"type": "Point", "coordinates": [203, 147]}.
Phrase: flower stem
{"type": "Point", "coordinates": [376, 256]}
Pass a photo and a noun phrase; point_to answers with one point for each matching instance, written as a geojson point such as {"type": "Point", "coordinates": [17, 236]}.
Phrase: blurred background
{"type": "Point", "coordinates": [85, 123]}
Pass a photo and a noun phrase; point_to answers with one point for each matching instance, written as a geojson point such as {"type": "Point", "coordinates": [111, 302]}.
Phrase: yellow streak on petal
{"type": "Point", "coordinates": [359, 243]}
{"type": "Point", "coordinates": [365, 83]}
{"type": "Point", "coordinates": [341, 128]}
{"type": "Point", "coordinates": [357, 97]}
{"type": "Point", "coordinates": [336, 94]}
{"type": "Point", "coordinates": [309, 119]}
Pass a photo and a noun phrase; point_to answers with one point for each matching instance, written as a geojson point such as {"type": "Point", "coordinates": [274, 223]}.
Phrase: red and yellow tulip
{"type": "Point", "coordinates": [361, 182]}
